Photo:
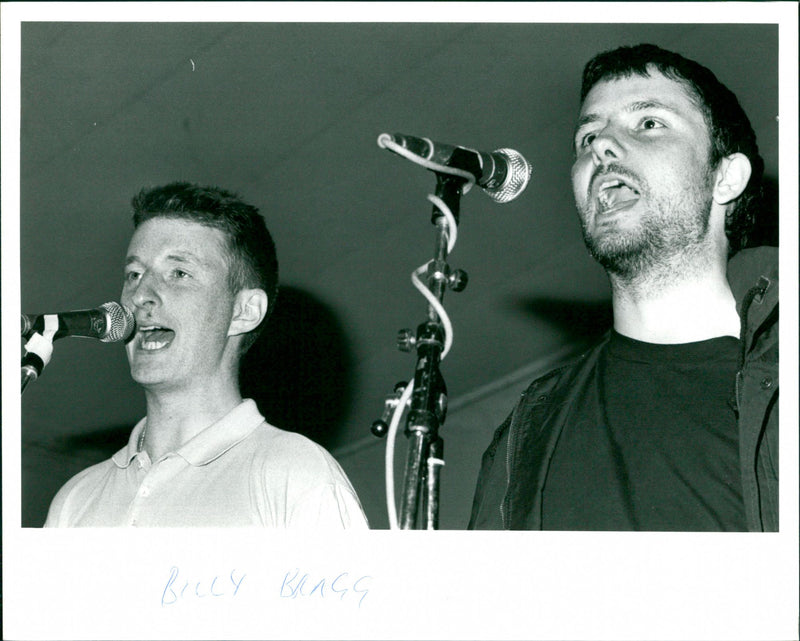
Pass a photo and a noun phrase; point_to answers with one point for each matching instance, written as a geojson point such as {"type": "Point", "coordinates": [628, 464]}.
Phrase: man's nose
{"type": "Point", "coordinates": [145, 293]}
{"type": "Point", "coordinates": [607, 147]}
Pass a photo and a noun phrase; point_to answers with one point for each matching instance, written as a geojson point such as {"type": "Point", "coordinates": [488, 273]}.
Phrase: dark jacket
{"type": "Point", "coordinates": [514, 467]}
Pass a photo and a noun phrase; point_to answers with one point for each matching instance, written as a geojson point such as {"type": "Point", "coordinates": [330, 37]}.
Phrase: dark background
{"type": "Point", "coordinates": [287, 115]}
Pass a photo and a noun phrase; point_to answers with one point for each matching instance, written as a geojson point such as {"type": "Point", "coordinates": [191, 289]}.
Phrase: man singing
{"type": "Point", "coordinates": [201, 279]}
{"type": "Point", "coordinates": [671, 422]}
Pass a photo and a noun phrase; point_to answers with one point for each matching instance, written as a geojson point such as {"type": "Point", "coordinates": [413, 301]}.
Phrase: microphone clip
{"type": "Point", "coordinates": [38, 352]}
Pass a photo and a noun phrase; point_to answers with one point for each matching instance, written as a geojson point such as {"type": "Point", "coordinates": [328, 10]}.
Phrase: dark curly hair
{"type": "Point", "coordinates": [252, 259]}
{"type": "Point", "coordinates": [727, 123]}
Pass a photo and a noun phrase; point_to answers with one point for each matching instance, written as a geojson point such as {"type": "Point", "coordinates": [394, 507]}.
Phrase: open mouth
{"type": "Point", "coordinates": [153, 337]}
{"type": "Point", "coordinates": [614, 194]}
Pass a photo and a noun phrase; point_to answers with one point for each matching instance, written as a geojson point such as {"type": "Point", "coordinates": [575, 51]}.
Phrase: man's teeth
{"type": "Point", "coordinates": [153, 344]}
{"type": "Point", "coordinates": [613, 192]}
{"type": "Point", "coordinates": [152, 337]}
{"type": "Point", "coordinates": [604, 198]}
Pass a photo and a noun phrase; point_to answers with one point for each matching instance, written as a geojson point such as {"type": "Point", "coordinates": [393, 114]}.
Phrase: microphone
{"type": "Point", "coordinates": [503, 173]}
{"type": "Point", "coordinates": [111, 322]}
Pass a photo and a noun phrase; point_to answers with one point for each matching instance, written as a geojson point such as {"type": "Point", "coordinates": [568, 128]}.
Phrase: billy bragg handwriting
{"type": "Point", "coordinates": [305, 585]}
{"type": "Point", "coordinates": [178, 588]}
{"type": "Point", "coordinates": [294, 584]}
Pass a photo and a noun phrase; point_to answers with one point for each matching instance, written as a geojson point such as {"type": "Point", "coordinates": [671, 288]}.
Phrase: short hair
{"type": "Point", "coordinates": [251, 256]}
{"type": "Point", "coordinates": [728, 125]}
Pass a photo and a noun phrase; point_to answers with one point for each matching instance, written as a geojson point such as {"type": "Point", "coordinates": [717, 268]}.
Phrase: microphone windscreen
{"type": "Point", "coordinates": [121, 323]}
{"type": "Point", "coordinates": [517, 176]}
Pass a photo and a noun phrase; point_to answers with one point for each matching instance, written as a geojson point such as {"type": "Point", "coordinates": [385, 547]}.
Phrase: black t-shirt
{"type": "Point", "coordinates": [654, 445]}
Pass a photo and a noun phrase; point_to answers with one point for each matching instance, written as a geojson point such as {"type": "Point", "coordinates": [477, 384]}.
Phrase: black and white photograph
{"type": "Point", "coordinates": [298, 279]}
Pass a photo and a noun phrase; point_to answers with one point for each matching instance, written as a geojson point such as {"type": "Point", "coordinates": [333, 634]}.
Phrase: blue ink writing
{"type": "Point", "coordinates": [179, 587]}
{"type": "Point", "coordinates": [305, 585]}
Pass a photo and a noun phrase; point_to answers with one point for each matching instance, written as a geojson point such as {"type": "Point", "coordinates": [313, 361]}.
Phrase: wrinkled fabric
{"type": "Point", "coordinates": [238, 472]}
{"type": "Point", "coordinates": [515, 465]}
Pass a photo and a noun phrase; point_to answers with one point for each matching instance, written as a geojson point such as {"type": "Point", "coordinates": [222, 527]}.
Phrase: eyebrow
{"type": "Point", "coordinates": [184, 258]}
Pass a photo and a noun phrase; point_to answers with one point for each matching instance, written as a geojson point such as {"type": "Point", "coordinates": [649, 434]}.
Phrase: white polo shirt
{"type": "Point", "coordinates": [238, 472]}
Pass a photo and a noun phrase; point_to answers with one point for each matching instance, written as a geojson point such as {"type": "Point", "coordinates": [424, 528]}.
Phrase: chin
{"type": "Point", "coordinates": [143, 376]}
{"type": "Point", "coordinates": [145, 381]}
{"type": "Point", "coordinates": [617, 253]}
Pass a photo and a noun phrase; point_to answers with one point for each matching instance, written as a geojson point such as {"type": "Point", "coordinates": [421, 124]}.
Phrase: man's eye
{"type": "Point", "coordinates": [131, 276]}
{"type": "Point", "coordinates": [651, 123]}
{"type": "Point", "coordinates": [588, 139]}
{"type": "Point", "coordinates": [179, 273]}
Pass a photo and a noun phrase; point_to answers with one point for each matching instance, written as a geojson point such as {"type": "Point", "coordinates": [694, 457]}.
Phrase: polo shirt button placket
{"type": "Point", "coordinates": [142, 493]}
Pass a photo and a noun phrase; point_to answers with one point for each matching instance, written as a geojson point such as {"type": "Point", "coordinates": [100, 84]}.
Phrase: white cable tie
{"type": "Point", "coordinates": [50, 325]}
{"type": "Point", "coordinates": [385, 141]}
{"type": "Point", "coordinates": [40, 345]}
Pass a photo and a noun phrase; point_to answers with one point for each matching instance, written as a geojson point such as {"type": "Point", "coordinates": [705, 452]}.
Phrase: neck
{"type": "Point", "coordinates": [677, 303]}
{"type": "Point", "coordinates": [176, 416]}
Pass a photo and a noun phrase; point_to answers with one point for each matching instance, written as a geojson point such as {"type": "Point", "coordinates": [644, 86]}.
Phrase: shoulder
{"type": "Point", "coordinates": [562, 376]}
{"type": "Point", "coordinates": [551, 387]}
{"type": "Point", "coordinates": [280, 452]}
{"type": "Point", "coordinates": [541, 396]}
{"type": "Point", "coordinates": [303, 482]}
{"type": "Point", "coordinates": [276, 442]}
{"type": "Point", "coordinates": [74, 493]}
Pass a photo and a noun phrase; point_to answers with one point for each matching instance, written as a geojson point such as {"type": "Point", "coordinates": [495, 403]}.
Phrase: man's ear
{"type": "Point", "coordinates": [249, 309]}
{"type": "Point", "coordinates": [731, 178]}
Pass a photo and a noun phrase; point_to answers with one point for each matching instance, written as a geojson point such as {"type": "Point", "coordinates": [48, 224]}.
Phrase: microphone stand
{"type": "Point", "coordinates": [419, 504]}
{"type": "Point", "coordinates": [38, 351]}
{"type": "Point", "coordinates": [30, 369]}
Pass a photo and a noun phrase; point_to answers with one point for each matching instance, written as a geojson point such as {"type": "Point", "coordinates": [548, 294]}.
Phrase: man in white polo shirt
{"type": "Point", "coordinates": [201, 279]}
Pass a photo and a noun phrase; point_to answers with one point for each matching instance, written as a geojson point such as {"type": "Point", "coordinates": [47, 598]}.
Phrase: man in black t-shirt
{"type": "Point", "coordinates": [671, 422]}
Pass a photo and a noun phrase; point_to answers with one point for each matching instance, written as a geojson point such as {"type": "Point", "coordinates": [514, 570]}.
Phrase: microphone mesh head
{"type": "Point", "coordinates": [519, 173]}
{"type": "Point", "coordinates": [120, 323]}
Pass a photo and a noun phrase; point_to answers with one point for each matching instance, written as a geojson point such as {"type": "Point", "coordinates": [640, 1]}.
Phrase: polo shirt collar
{"type": "Point", "coordinates": [125, 456]}
{"type": "Point", "coordinates": [210, 443]}
{"type": "Point", "coordinates": [221, 436]}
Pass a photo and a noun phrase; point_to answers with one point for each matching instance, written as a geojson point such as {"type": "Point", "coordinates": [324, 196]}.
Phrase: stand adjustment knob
{"type": "Point", "coordinates": [379, 428]}
{"type": "Point", "coordinates": [406, 340]}
{"type": "Point", "coordinates": [458, 280]}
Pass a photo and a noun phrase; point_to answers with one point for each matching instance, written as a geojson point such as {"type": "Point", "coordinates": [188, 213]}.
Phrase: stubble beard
{"type": "Point", "coordinates": [667, 242]}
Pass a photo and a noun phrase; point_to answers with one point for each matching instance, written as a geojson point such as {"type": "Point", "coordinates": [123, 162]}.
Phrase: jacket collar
{"type": "Point", "coordinates": [753, 277]}
{"type": "Point", "coordinates": [747, 268]}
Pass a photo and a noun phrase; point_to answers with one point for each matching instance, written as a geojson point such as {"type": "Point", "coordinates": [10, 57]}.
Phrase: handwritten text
{"type": "Point", "coordinates": [179, 587]}
{"type": "Point", "coordinates": [305, 585]}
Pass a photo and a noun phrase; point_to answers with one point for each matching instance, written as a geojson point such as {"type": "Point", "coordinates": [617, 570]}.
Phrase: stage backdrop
{"type": "Point", "coordinates": [287, 115]}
